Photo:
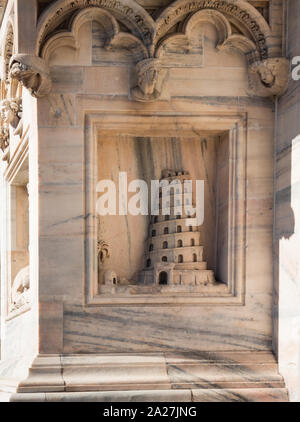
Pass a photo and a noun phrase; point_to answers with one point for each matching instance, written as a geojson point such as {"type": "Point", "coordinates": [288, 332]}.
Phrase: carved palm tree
{"type": "Point", "coordinates": [103, 250]}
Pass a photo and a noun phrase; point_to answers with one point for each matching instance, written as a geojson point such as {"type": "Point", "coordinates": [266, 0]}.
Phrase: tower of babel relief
{"type": "Point", "coordinates": [174, 252]}
{"type": "Point", "coordinates": [174, 249]}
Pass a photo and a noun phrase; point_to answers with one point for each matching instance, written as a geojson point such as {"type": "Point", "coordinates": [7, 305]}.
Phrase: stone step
{"type": "Point", "coordinates": [202, 376]}
{"type": "Point", "coordinates": [200, 395]}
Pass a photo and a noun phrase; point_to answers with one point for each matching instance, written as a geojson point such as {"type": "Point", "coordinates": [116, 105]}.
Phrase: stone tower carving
{"type": "Point", "coordinates": [175, 248]}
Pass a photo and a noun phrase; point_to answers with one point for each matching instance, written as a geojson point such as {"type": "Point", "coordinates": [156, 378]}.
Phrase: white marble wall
{"type": "Point", "coordinates": [218, 87]}
{"type": "Point", "coordinates": [287, 234]}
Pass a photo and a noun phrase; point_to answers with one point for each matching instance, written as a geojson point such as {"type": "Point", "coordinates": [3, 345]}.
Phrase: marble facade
{"type": "Point", "coordinates": [92, 88]}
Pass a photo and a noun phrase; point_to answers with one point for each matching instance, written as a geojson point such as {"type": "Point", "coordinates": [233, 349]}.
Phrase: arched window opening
{"type": "Point", "coordinates": [163, 278]}
{"type": "Point", "coordinates": [180, 258]}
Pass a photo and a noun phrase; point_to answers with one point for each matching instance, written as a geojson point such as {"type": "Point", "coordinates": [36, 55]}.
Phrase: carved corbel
{"type": "Point", "coordinates": [150, 76]}
{"type": "Point", "coordinates": [33, 72]}
{"type": "Point", "coordinates": [269, 77]}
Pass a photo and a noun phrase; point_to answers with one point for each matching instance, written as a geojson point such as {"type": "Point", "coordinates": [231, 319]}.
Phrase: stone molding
{"type": "Point", "coordinates": [147, 39]}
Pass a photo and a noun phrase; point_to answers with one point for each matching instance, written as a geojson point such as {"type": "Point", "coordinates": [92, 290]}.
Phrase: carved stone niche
{"type": "Point", "coordinates": [108, 256]}
{"type": "Point", "coordinates": [33, 72]}
{"type": "Point", "coordinates": [17, 234]}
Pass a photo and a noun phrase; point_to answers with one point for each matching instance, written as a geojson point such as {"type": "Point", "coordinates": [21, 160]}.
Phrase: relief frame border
{"type": "Point", "coordinates": [133, 123]}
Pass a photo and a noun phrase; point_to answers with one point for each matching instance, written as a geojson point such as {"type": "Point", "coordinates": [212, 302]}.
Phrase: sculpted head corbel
{"type": "Point", "coordinates": [150, 77]}
{"type": "Point", "coordinates": [269, 77]}
{"type": "Point", "coordinates": [33, 72]}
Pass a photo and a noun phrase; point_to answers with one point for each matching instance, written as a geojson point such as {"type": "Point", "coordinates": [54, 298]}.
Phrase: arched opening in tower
{"type": "Point", "coordinates": [163, 278]}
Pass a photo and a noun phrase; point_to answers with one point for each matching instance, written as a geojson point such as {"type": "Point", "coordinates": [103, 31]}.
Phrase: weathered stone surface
{"type": "Point", "coordinates": [119, 90]}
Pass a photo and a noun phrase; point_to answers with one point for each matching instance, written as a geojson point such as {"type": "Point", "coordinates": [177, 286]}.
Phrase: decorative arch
{"type": "Point", "coordinates": [71, 39]}
{"type": "Point", "coordinates": [241, 12]}
{"type": "Point", "coordinates": [149, 40]}
{"type": "Point", "coordinates": [114, 38]}
{"type": "Point", "coordinates": [131, 14]}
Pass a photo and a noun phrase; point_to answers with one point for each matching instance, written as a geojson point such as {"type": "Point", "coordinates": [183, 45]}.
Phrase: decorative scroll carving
{"type": "Point", "coordinates": [33, 72]}
{"type": "Point", "coordinates": [150, 78]}
{"type": "Point", "coordinates": [20, 293]}
{"type": "Point", "coordinates": [269, 77]}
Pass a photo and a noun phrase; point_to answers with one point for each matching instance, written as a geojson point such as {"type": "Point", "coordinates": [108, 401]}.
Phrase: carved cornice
{"type": "Point", "coordinates": [149, 40]}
